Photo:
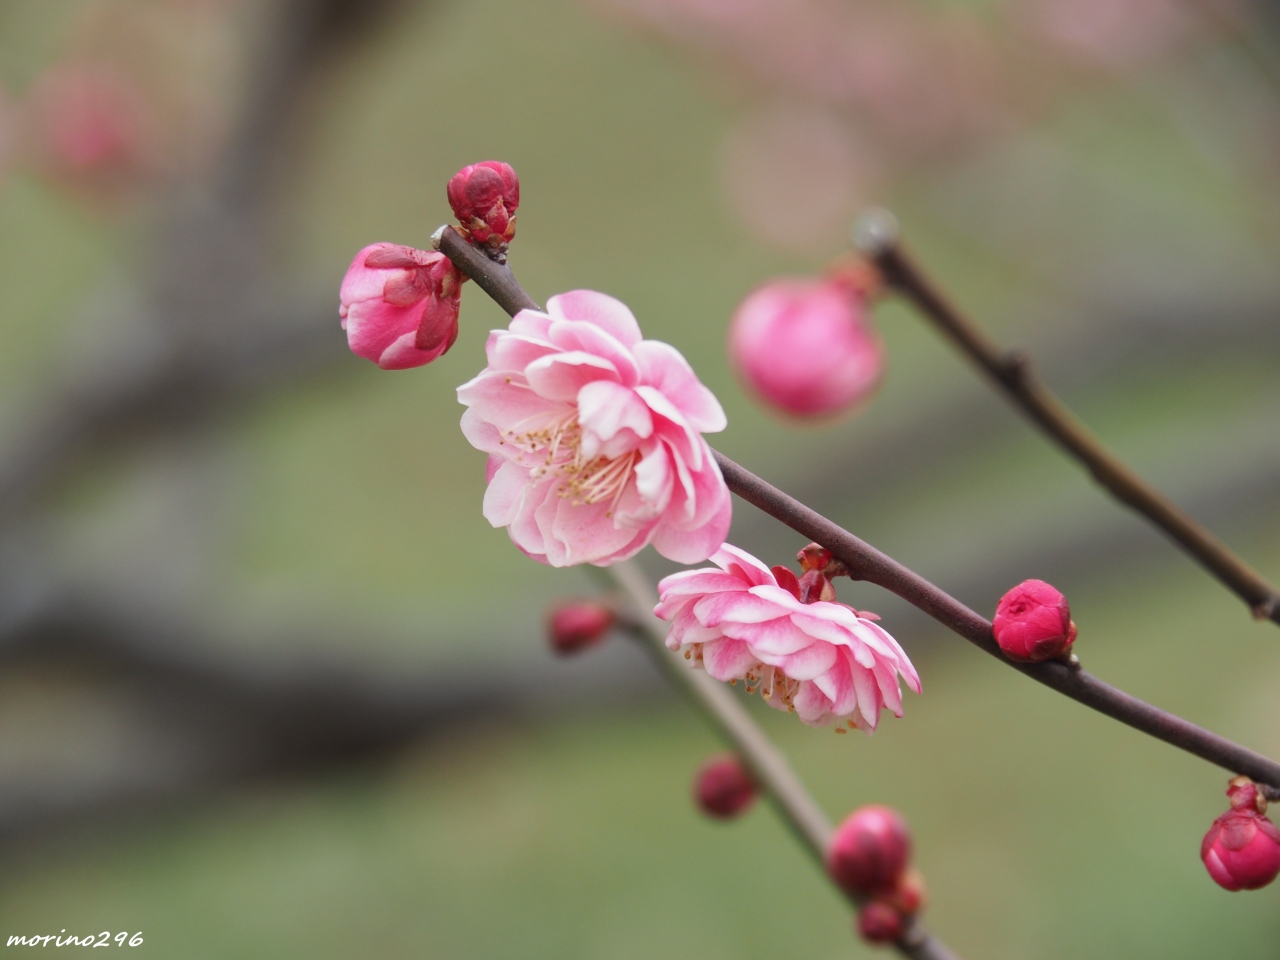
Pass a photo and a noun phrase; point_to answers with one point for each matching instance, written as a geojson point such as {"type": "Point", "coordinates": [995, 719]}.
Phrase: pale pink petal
{"type": "Point", "coordinates": [754, 571]}
{"type": "Point", "coordinates": [606, 408]}
{"type": "Point", "coordinates": [727, 659]}
{"type": "Point", "coordinates": [699, 581]}
{"type": "Point", "coordinates": [690, 545]}
{"type": "Point", "coordinates": [714, 609]}
{"type": "Point", "coordinates": [604, 311]}
{"type": "Point", "coordinates": [662, 366]}
{"type": "Point", "coordinates": [812, 705]}
{"type": "Point", "coordinates": [560, 376]}
{"type": "Point", "coordinates": [805, 664]}
{"type": "Point", "coordinates": [571, 335]}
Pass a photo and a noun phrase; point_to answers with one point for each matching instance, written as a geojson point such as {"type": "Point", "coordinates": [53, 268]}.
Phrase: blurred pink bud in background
{"type": "Point", "coordinates": [1033, 622]}
{"type": "Point", "coordinates": [795, 175]}
{"type": "Point", "coordinates": [399, 305]}
{"type": "Point", "coordinates": [909, 895]}
{"type": "Point", "coordinates": [87, 123]}
{"type": "Point", "coordinates": [879, 923]}
{"type": "Point", "coordinates": [1241, 851]}
{"type": "Point", "coordinates": [595, 438]}
{"type": "Point", "coordinates": [869, 851]}
{"type": "Point", "coordinates": [724, 788]}
{"type": "Point", "coordinates": [1110, 33]}
{"type": "Point", "coordinates": [806, 347]}
{"type": "Point", "coordinates": [578, 624]}
{"type": "Point", "coordinates": [484, 197]}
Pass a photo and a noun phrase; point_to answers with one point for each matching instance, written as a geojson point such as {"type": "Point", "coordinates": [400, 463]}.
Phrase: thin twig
{"type": "Point", "coordinates": [1013, 372]}
{"type": "Point", "coordinates": [868, 563]}
{"type": "Point", "coordinates": [733, 722]}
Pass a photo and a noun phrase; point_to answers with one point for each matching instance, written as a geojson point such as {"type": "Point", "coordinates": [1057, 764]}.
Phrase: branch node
{"type": "Point", "coordinates": [1017, 365]}
{"type": "Point", "coordinates": [1266, 609]}
{"type": "Point", "coordinates": [876, 232]}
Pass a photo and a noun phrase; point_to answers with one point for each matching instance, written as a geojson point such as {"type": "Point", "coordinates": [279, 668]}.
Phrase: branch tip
{"type": "Point", "coordinates": [876, 232]}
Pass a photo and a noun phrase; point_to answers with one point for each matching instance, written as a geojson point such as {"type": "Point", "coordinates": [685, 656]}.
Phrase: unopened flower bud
{"type": "Point", "coordinates": [1033, 622]}
{"type": "Point", "coordinates": [1241, 851]}
{"type": "Point", "coordinates": [399, 305]}
{"type": "Point", "coordinates": [909, 896]}
{"type": "Point", "coordinates": [484, 197]}
{"type": "Point", "coordinates": [806, 347]}
{"type": "Point", "coordinates": [814, 586]}
{"type": "Point", "coordinates": [724, 788]}
{"type": "Point", "coordinates": [878, 922]}
{"type": "Point", "coordinates": [577, 625]}
{"type": "Point", "coordinates": [869, 851]}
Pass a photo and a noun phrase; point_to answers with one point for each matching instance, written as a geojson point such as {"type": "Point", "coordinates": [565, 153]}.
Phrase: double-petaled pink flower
{"type": "Point", "coordinates": [594, 437]}
{"type": "Point", "coordinates": [822, 659]}
{"type": "Point", "coordinates": [399, 305]}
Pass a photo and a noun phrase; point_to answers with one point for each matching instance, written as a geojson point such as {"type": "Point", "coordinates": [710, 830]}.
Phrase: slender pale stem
{"type": "Point", "coordinates": [1014, 374]}
{"type": "Point", "coordinates": [867, 563]}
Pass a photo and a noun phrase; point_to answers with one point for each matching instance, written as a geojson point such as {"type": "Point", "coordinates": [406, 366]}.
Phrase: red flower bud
{"type": "Point", "coordinates": [576, 625]}
{"type": "Point", "coordinates": [484, 197]}
{"type": "Point", "coordinates": [724, 788]}
{"type": "Point", "coordinates": [869, 851]}
{"type": "Point", "coordinates": [1241, 851]}
{"type": "Point", "coordinates": [1033, 622]}
{"type": "Point", "coordinates": [910, 896]}
{"type": "Point", "coordinates": [878, 922]}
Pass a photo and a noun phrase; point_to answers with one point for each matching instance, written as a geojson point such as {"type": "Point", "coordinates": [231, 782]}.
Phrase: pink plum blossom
{"type": "Point", "coordinates": [823, 660]}
{"type": "Point", "coordinates": [806, 347]}
{"type": "Point", "coordinates": [399, 305]}
{"type": "Point", "coordinates": [594, 438]}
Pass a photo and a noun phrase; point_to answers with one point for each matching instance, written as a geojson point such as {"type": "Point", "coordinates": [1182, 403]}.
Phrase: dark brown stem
{"type": "Point", "coordinates": [1014, 373]}
{"type": "Point", "coordinates": [727, 714]}
{"type": "Point", "coordinates": [865, 562]}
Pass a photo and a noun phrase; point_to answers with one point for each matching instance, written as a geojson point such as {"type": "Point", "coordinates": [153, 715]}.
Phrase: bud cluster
{"type": "Point", "coordinates": [1241, 851]}
{"type": "Point", "coordinates": [869, 859]}
{"type": "Point", "coordinates": [484, 197]}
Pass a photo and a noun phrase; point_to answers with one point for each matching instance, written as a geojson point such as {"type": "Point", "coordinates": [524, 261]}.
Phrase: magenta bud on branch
{"type": "Point", "coordinates": [1241, 851]}
{"type": "Point", "coordinates": [724, 788]}
{"type": "Point", "coordinates": [869, 851]}
{"type": "Point", "coordinates": [484, 197]}
{"type": "Point", "coordinates": [575, 625]}
{"type": "Point", "coordinates": [1033, 622]}
{"type": "Point", "coordinates": [806, 347]}
{"type": "Point", "coordinates": [878, 922]}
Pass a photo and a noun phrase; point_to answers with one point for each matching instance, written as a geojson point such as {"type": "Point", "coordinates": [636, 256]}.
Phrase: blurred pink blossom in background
{"type": "Point", "coordinates": [1110, 33]}
{"type": "Point", "coordinates": [595, 438]}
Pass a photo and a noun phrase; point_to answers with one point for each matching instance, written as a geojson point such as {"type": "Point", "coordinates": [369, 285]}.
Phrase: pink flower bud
{"type": "Point", "coordinates": [805, 347]}
{"type": "Point", "coordinates": [724, 788]}
{"type": "Point", "coordinates": [1033, 622]}
{"type": "Point", "coordinates": [878, 922]}
{"type": "Point", "coordinates": [399, 305]}
{"type": "Point", "coordinates": [1241, 851]}
{"type": "Point", "coordinates": [574, 626]}
{"type": "Point", "coordinates": [910, 895]}
{"type": "Point", "coordinates": [484, 197]}
{"type": "Point", "coordinates": [869, 851]}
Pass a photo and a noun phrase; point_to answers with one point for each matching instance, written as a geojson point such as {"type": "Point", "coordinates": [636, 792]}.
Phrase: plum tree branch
{"type": "Point", "coordinates": [868, 563]}
{"type": "Point", "coordinates": [1014, 374]}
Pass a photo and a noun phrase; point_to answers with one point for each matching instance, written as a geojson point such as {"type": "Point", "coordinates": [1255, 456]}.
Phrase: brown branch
{"type": "Point", "coordinates": [868, 563]}
{"type": "Point", "coordinates": [1013, 372]}
{"type": "Point", "coordinates": [733, 722]}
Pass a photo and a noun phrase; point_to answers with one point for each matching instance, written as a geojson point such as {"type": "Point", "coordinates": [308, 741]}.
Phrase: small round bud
{"type": "Point", "coordinates": [484, 198]}
{"type": "Point", "coordinates": [910, 895]}
{"type": "Point", "coordinates": [869, 851]}
{"type": "Point", "coordinates": [878, 922]}
{"type": "Point", "coordinates": [724, 788]}
{"type": "Point", "coordinates": [1241, 851]}
{"type": "Point", "coordinates": [1033, 622]}
{"type": "Point", "coordinates": [806, 347]}
{"type": "Point", "coordinates": [576, 625]}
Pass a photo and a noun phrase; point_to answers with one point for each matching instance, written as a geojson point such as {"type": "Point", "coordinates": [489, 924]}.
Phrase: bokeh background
{"type": "Point", "coordinates": [271, 687]}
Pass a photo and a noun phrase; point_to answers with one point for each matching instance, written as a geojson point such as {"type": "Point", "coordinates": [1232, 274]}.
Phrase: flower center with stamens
{"type": "Point", "coordinates": [555, 444]}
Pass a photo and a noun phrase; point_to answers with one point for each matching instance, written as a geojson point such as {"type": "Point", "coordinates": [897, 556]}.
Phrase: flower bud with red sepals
{"type": "Point", "coordinates": [879, 923]}
{"type": "Point", "coordinates": [724, 788]}
{"type": "Point", "coordinates": [806, 347]}
{"type": "Point", "coordinates": [869, 851]}
{"type": "Point", "coordinates": [578, 624]}
{"type": "Point", "coordinates": [400, 306]}
{"type": "Point", "coordinates": [910, 895]}
{"type": "Point", "coordinates": [1241, 851]}
{"type": "Point", "coordinates": [484, 198]}
{"type": "Point", "coordinates": [1033, 622]}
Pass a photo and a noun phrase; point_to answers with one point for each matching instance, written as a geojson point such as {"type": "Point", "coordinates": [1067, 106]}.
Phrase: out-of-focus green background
{"type": "Point", "coordinates": [1119, 234]}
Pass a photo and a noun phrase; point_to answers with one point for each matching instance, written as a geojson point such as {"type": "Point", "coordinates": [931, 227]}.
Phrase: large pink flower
{"type": "Point", "coordinates": [823, 660]}
{"type": "Point", "coordinates": [399, 305]}
{"type": "Point", "coordinates": [594, 438]}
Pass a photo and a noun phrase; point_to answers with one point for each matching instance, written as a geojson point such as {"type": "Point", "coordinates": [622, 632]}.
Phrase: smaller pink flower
{"type": "Point", "coordinates": [1241, 851]}
{"type": "Point", "coordinates": [822, 660]}
{"type": "Point", "coordinates": [806, 347]}
{"type": "Point", "coordinates": [399, 305]}
{"type": "Point", "coordinates": [1033, 622]}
